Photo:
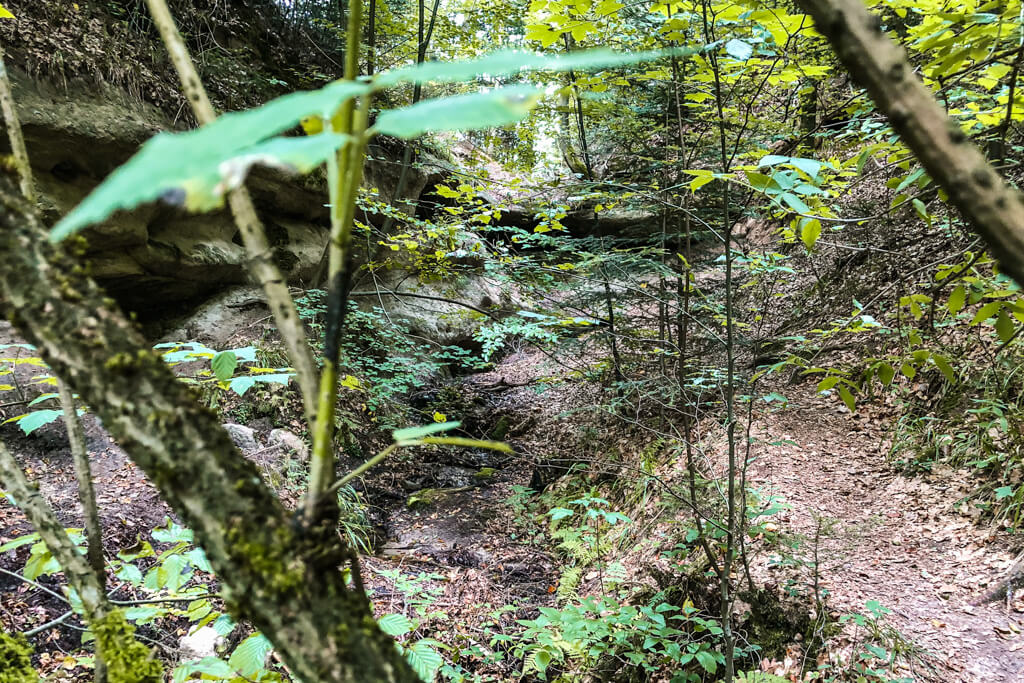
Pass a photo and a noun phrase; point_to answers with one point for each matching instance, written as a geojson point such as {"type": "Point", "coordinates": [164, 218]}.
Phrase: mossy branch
{"type": "Point", "coordinates": [275, 573]}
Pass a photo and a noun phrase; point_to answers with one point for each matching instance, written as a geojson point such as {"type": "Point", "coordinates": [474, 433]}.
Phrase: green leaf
{"type": "Point", "coordinates": [250, 656]}
{"type": "Point", "coordinates": [395, 625]}
{"type": "Point", "coordinates": [240, 385]}
{"type": "Point", "coordinates": [511, 62]}
{"type": "Point", "coordinates": [921, 209]}
{"type": "Point", "coordinates": [886, 373]}
{"type": "Point", "coordinates": [707, 661]}
{"type": "Point", "coordinates": [957, 298]}
{"type": "Point", "coordinates": [498, 107]}
{"type": "Point", "coordinates": [224, 364]}
{"type": "Point", "coordinates": [738, 49]}
{"type": "Point", "coordinates": [847, 397]}
{"type": "Point", "coordinates": [1003, 492]}
{"type": "Point", "coordinates": [541, 659]}
{"type": "Point", "coordinates": [700, 181]}
{"type": "Point", "coordinates": [810, 231]}
{"type": "Point", "coordinates": [210, 666]}
{"type": "Point", "coordinates": [987, 311]}
{"type": "Point", "coordinates": [808, 166]}
{"type": "Point", "coordinates": [30, 422]}
{"type": "Point", "coordinates": [187, 166]}
{"type": "Point", "coordinates": [1004, 327]}
{"type": "Point", "coordinates": [415, 433]}
{"type": "Point", "coordinates": [559, 513]}
{"type": "Point", "coordinates": [942, 363]}
{"type": "Point", "coordinates": [424, 659]}
{"type": "Point", "coordinates": [908, 370]}
{"type": "Point", "coordinates": [18, 542]}
{"type": "Point", "coordinates": [795, 202]}
{"type": "Point", "coordinates": [827, 383]}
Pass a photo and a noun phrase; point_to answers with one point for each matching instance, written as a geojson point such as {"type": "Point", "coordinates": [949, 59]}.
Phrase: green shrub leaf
{"type": "Point", "coordinates": [197, 167]}
{"type": "Point", "coordinates": [251, 655]}
{"type": "Point", "coordinates": [498, 107]}
{"type": "Point", "coordinates": [395, 625]}
{"type": "Point", "coordinates": [224, 364]}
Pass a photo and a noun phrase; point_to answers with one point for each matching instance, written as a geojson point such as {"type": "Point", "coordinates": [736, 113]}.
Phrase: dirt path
{"type": "Point", "coordinates": [902, 541]}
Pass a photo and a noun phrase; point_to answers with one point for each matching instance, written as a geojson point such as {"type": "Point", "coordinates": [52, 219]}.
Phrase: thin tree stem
{"type": "Point", "coordinates": [258, 251]}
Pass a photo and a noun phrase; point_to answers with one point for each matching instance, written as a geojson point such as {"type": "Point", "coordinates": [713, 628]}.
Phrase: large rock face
{"type": "Point", "coordinates": [158, 256]}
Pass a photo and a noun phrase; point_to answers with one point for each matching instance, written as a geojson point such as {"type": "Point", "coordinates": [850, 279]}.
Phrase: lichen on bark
{"type": "Point", "coordinates": [127, 660]}
{"type": "Point", "coordinates": [279, 572]}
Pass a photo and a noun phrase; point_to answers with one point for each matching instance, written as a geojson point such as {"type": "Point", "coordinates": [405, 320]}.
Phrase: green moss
{"type": "Point", "coordinates": [16, 659]}
{"type": "Point", "coordinates": [485, 473]}
{"type": "Point", "coordinates": [127, 660]}
{"type": "Point", "coordinates": [501, 429]}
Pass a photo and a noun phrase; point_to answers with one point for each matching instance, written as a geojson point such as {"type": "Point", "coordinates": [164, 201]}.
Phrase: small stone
{"type": "Point", "coordinates": [289, 441]}
{"type": "Point", "coordinates": [199, 644]}
{"type": "Point", "coordinates": [243, 437]}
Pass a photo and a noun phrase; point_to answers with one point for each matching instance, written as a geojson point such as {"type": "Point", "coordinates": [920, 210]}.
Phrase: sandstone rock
{"type": "Point", "coordinates": [289, 441]}
{"type": "Point", "coordinates": [243, 437]}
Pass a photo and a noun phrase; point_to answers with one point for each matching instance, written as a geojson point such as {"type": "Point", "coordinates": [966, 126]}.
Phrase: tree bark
{"type": "Point", "coordinates": [993, 208]}
{"type": "Point", "coordinates": [281, 576]}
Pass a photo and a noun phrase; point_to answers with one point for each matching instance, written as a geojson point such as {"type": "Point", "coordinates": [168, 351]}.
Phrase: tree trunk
{"type": "Point", "coordinates": [281, 576]}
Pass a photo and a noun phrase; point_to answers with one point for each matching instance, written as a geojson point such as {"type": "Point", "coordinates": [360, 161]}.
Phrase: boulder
{"type": "Point", "coordinates": [289, 441]}
{"type": "Point", "coordinates": [243, 437]}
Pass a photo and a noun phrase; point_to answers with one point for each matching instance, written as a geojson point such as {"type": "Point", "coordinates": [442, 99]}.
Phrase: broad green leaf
{"type": "Point", "coordinates": [30, 422]}
{"type": "Point", "coordinates": [1003, 492]}
{"type": "Point", "coordinates": [886, 373]}
{"type": "Point", "coordinates": [541, 659]}
{"type": "Point", "coordinates": [250, 656]}
{"type": "Point", "coordinates": [224, 364]}
{"type": "Point", "coordinates": [559, 513]}
{"type": "Point", "coordinates": [942, 363]}
{"type": "Point", "coordinates": [424, 659]}
{"type": "Point", "coordinates": [808, 166]}
{"type": "Point", "coordinates": [1004, 327]}
{"type": "Point", "coordinates": [172, 532]}
{"type": "Point", "coordinates": [847, 397]}
{"type": "Point", "coordinates": [414, 433]}
{"type": "Point", "coordinates": [957, 298]}
{"type": "Point", "coordinates": [187, 166]}
{"type": "Point", "coordinates": [210, 666]}
{"type": "Point", "coordinates": [908, 371]}
{"type": "Point", "coordinates": [18, 542]}
{"type": "Point", "coordinates": [511, 62]}
{"type": "Point", "coordinates": [738, 49]}
{"type": "Point", "coordinates": [795, 202]}
{"type": "Point", "coordinates": [827, 383]}
{"type": "Point", "coordinates": [987, 311]}
{"type": "Point", "coordinates": [810, 231]}
{"type": "Point", "coordinates": [494, 108]}
{"type": "Point", "coordinates": [130, 574]}
{"type": "Point", "coordinates": [700, 181]}
{"type": "Point", "coordinates": [395, 625]}
{"type": "Point", "coordinates": [707, 661]}
{"type": "Point", "coordinates": [920, 208]}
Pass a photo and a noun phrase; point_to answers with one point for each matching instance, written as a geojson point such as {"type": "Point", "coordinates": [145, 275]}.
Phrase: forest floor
{"type": "Point", "coordinates": [907, 542]}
